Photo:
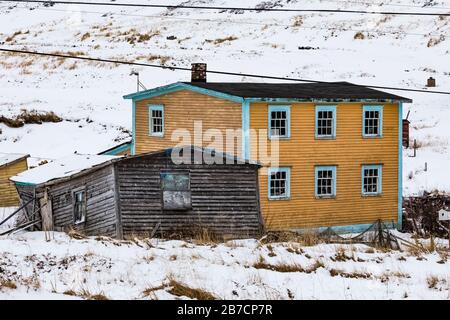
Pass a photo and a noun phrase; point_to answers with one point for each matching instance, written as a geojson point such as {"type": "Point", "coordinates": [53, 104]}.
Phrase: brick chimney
{"type": "Point", "coordinates": [431, 82]}
{"type": "Point", "coordinates": [198, 72]}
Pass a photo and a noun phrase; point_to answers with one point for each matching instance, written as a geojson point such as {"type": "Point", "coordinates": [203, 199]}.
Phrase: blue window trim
{"type": "Point", "coordinates": [288, 182]}
{"type": "Point", "coordinates": [288, 120]}
{"type": "Point", "coordinates": [380, 179]}
{"type": "Point", "coordinates": [319, 168]}
{"type": "Point", "coordinates": [333, 131]}
{"type": "Point", "coordinates": [150, 129]}
{"type": "Point", "coordinates": [372, 108]}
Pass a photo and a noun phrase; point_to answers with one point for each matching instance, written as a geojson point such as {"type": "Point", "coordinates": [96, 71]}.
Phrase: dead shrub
{"type": "Point", "coordinates": [178, 289]}
{"type": "Point", "coordinates": [341, 255]}
{"type": "Point", "coordinates": [298, 21]}
{"type": "Point", "coordinates": [432, 282]}
{"type": "Point", "coordinates": [359, 36]}
{"type": "Point", "coordinates": [435, 41]}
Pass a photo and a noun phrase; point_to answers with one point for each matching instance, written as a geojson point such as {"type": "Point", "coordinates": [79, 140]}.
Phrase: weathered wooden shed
{"type": "Point", "coordinates": [148, 194]}
{"type": "Point", "coordinates": [10, 165]}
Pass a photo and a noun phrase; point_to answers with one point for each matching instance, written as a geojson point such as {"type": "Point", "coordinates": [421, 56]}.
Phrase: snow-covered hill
{"type": "Point", "coordinates": [401, 51]}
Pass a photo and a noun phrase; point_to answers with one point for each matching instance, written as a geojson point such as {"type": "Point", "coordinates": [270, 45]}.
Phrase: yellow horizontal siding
{"type": "Point", "coordinates": [181, 109]}
{"type": "Point", "coordinates": [348, 152]}
{"type": "Point", "coordinates": [8, 193]}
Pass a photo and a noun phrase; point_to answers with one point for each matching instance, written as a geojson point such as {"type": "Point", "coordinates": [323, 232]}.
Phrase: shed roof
{"type": "Point", "coordinates": [61, 168]}
{"type": "Point", "coordinates": [307, 91]}
{"type": "Point", "coordinates": [80, 164]}
{"type": "Point", "coordinates": [9, 158]}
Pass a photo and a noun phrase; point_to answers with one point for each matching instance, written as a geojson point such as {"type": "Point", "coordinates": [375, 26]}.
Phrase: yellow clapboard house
{"type": "Point", "coordinates": [340, 144]}
{"type": "Point", "coordinates": [10, 165]}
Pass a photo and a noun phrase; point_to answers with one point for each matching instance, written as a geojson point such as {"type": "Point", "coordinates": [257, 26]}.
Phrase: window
{"type": "Point", "coordinates": [325, 181]}
{"type": "Point", "coordinates": [371, 179]}
{"type": "Point", "coordinates": [176, 190]}
{"type": "Point", "coordinates": [156, 113]}
{"type": "Point", "coordinates": [279, 122]}
{"type": "Point", "coordinates": [326, 122]}
{"type": "Point", "coordinates": [279, 183]}
{"type": "Point", "coordinates": [79, 210]}
{"type": "Point", "coordinates": [372, 121]}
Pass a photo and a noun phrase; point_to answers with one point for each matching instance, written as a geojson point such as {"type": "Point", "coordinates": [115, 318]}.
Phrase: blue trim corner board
{"type": "Point", "coordinates": [400, 166]}
{"type": "Point", "coordinates": [246, 130]}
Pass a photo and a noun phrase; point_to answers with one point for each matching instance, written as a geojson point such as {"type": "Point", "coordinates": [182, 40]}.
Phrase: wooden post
{"type": "Point", "coordinates": [415, 147]}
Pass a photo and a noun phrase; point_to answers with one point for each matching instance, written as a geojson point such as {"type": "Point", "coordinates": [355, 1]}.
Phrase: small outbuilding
{"type": "Point", "coordinates": [149, 194]}
{"type": "Point", "coordinates": [10, 165]}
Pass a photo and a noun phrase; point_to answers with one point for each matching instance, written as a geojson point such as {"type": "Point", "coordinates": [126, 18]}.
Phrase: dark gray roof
{"type": "Point", "coordinates": [330, 91]}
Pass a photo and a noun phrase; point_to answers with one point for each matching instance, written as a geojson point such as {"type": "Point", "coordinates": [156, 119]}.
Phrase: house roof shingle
{"type": "Point", "coordinates": [332, 91]}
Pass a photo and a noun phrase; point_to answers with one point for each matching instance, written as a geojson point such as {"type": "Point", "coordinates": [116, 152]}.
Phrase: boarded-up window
{"type": "Point", "coordinates": [79, 210]}
{"type": "Point", "coordinates": [176, 191]}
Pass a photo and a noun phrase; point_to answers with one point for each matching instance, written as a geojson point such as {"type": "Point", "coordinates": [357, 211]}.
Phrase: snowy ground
{"type": "Point", "coordinates": [65, 268]}
{"type": "Point", "coordinates": [398, 51]}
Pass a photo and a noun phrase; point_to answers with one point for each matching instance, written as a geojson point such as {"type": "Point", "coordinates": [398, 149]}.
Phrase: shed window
{"type": "Point", "coordinates": [79, 210]}
{"type": "Point", "coordinates": [325, 181]}
{"type": "Point", "coordinates": [156, 120]}
{"type": "Point", "coordinates": [279, 183]}
{"type": "Point", "coordinates": [279, 122]}
{"type": "Point", "coordinates": [325, 121]}
{"type": "Point", "coordinates": [371, 179]}
{"type": "Point", "coordinates": [176, 191]}
{"type": "Point", "coordinates": [372, 121]}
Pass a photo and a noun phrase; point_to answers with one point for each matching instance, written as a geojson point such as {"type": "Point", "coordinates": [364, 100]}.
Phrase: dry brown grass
{"type": "Point", "coordinates": [85, 36]}
{"type": "Point", "coordinates": [8, 284]}
{"type": "Point", "coordinates": [75, 234]}
{"type": "Point", "coordinates": [353, 274]}
{"type": "Point", "coordinates": [284, 267]}
{"type": "Point", "coordinates": [70, 292]}
{"type": "Point", "coordinates": [222, 40]}
{"type": "Point", "coordinates": [30, 117]}
{"type": "Point", "coordinates": [306, 239]}
{"type": "Point", "coordinates": [341, 255]}
{"type": "Point", "coordinates": [86, 294]}
{"type": "Point", "coordinates": [178, 289]}
{"type": "Point", "coordinates": [150, 292]}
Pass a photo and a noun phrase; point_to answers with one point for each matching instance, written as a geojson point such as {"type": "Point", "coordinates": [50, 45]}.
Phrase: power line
{"type": "Point", "coordinates": [258, 9]}
{"type": "Point", "coordinates": [227, 73]}
{"type": "Point", "coordinates": [395, 32]}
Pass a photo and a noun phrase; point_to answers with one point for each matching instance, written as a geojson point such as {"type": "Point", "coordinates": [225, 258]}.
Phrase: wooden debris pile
{"type": "Point", "coordinates": [421, 214]}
